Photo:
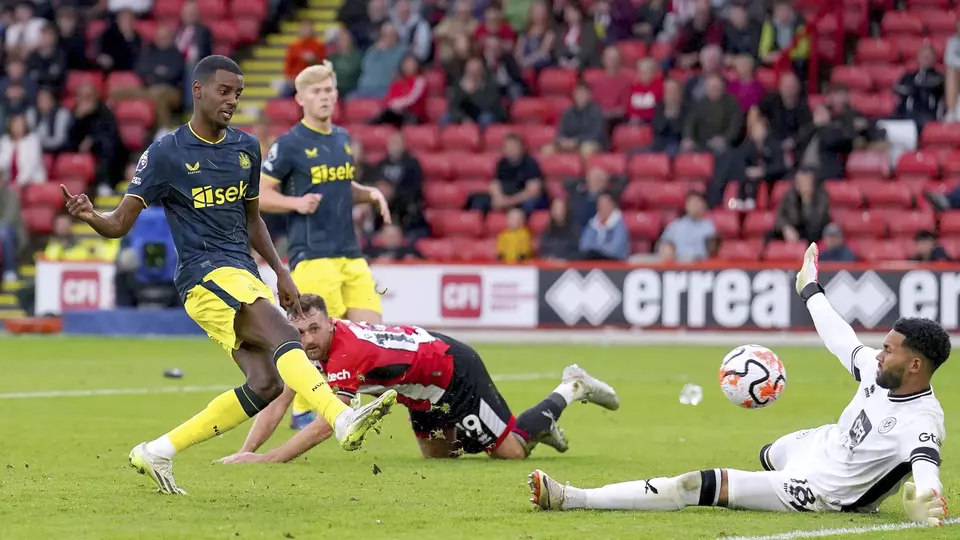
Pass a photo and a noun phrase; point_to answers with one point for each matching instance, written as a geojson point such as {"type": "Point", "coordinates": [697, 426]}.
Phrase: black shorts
{"type": "Point", "coordinates": [472, 404]}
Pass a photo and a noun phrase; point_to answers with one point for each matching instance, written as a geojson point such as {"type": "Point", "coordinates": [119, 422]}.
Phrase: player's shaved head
{"type": "Point", "coordinates": [926, 338]}
{"type": "Point", "coordinates": [207, 68]}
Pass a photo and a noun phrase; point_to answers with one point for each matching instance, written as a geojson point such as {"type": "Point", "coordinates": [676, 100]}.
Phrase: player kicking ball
{"type": "Point", "coordinates": [893, 427]}
{"type": "Point", "coordinates": [455, 407]}
{"type": "Point", "coordinates": [206, 176]}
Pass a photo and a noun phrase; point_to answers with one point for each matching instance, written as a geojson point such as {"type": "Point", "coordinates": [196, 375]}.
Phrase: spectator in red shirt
{"type": "Point", "coordinates": [306, 51]}
{"type": "Point", "coordinates": [612, 90]}
{"type": "Point", "coordinates": [646, 92]}
{"type": "Point", "coordinates": [702, 30]}
{"type": "Point", "coordinates": [577, 45]}
{"type": "Point", "coordinates": [406, 101]}
{"type": "Point", "coordinates": [745, 86]}
{"type": "Point", "coordinates": [493, 23]}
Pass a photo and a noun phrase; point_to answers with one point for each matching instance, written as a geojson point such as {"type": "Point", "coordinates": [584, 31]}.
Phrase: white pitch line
{"type": "Point", "coordinates": [507, 377]}
{"type": "Point", "coordinates": [821, 533]}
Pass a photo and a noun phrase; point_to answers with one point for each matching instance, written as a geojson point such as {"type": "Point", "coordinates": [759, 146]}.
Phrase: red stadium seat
{"type": "Point", "coordinates": [555, 107]}
{"type": "Point", "coordinates": [248, 29]}
{"type": "Point", "coordinates": [768, 78]}
{"type": "Point", "coordinates": [167, 9]}
{"type": "Point", "coordinates": [860, 223]}
{"type": "Point", "coordinates": [528, 110]}
{"type": "Point", "coordinates": [495, 223]}
{"type": "Point", "coordinates": [421, 138]}
{"type": "Point", "coordinates": [950, 223]}
{"type": "Point", "coordinates": [224, 32]}
{"type": "Point", "coordinates": [473, 166]}
{"type": "Point", "coordinates": [629, 138]}
{"type": "Point", "coordinates": [909, 45]}
{"type": "Point", "coordinates": [643, 225]}
{"type": "Point", "coordinates": [937, 135]}
{"type": "Point", "coordinates": [649, 167]}
{"type": "Point", "coordinates": [494, 134]}
{"type": "Point", "coordinates": [665, 196]}
{"type": "Point", "coordinates": [633, 196]}
{"type": "Point", "coordinates": [938, 21]}
{"type": "Point", "coordinates": [475, 185]}
{"type": "Point", "coordinates": [632, 51]}
{"type": "Point", "coordinates": [483, 250]}
{"type": "Point", "coordinates": [283, 111]}
{"type": "Point", "coordinates": [76, 79]}
{"type": "Point", "coordinates": [556, 189]}
{"type": "Point", "coordinates": [46, 194]}
{"type": "Point", "coordinates": [919, 5]}
{"type": "Point", "coordinates": [877, 51]}
{"type": "Point", "coordinates": [614, 164]}
{"type": "Point", "coordinates": [757, 224]}
{"type": "Point", "coordinates": [661, 51]}
{"type": "Point", "coordinates": [641, 246]}
{"type": "Point", "coordinates": [456, 223]}
{"type": "Point", "coordinates": [361, 110]}
{"type": "Point", "coordinates": [910, 222]}
{"type": "Point", "coordinates": [950, 164]}
{"type": "Point", "coordinates": [871, 250]}
{"type": "Point", "coordinates": [780, 190]}
{"type": "Point", "coordinates": [436, 108]}
{"type": "Point", "coordinates": [727, 223]}
{"type": "Point", "coordinates": [462, 137]}
{"type": "Point", "coordinates": [867, 163]}
{"type": "Point", "coordinates": [739, 250]}
{"type": "Point", "coordinates": [778, 250]}
{"type": "Point", "coordinates": [212, 9]}
{"type": "Point", "coordinates": [844, 194]}
{"type": "Point", "coordinates": [693, 166]}
{"type": "Point", "coordinates": [435, 249]}
{"type": "Point", "coordinates": [435, 166]}
{"type": "Point", "coordinates": [925, 164]}
{"type": "Point", "coordinates": [373, 138]}
{"type": "Point", "coordinates": [436, 82]}
{"type": "Point", "coordinates": [536, 137]}
{"type": "Point", "coordinates": [137, 111]}
{"type": "Point", "coordinates": [255, 9]}
{"type": "Point", "coordinates": [70, 165]}
{"type": "Point", "coordinates": [48, 160]}
{"type": "Point", "coordinates": [853, 77]}
{"type": "Point", "coordinates": [561, 166]}
{"type": "Point", "coordinates": [133, 136]}
{"type": "Point", "coordinates": [38, 219]}
{"type": "Point", "coordinates": [556, 82]}
{"type": "Point", "coordinates": [885, 194]}
{"type": "Point", "coordinates": [899, 23]}
{"type": "Point", "coordinates": [538, 222]}
{"type": "Point", "coordinates": [884, 76]}
{"type": "Point", "coordinates": [877, 105]}
{"type": "Point", "coordinates": [444, 195]}
{"type": "Point", "coordinates": [120, 81]}
{"type": "Point", "coordinates": [951, 244]}
{"type": "Point", "coordinates": [94, 29]}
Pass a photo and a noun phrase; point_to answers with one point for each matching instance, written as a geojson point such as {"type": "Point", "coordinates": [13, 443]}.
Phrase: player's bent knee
{"type": "Point", "coordinates": [511, 448]}
{"type": "Point", "coordinates": [267, 384]}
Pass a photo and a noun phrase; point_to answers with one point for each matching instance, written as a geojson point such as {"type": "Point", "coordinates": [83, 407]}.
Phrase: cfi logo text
{"type": "Point", "coordinates": [206, 196]}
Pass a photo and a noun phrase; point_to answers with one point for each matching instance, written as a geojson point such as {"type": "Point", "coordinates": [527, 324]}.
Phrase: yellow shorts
{"type": "Point", "coordinates": [213, 304]}
{"type": "Point", "coordinates": [343, 283]}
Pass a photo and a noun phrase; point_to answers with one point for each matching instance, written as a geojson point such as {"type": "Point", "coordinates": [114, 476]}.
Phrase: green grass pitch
{"type": "Point", "coordinates": [64, 472]}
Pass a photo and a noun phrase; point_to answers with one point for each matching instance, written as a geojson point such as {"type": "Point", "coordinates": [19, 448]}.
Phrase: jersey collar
{"type": "Point", "coordinates": [315, 129]}
{"type": "Point", "coordinates": [205, 140]}
{"type": "Point", "coordinates": [928, 391]}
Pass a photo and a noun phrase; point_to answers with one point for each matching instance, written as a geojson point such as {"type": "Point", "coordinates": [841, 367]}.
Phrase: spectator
{"type": "Point", "coordinates": [927, 249]}
{"type": "Point", "coordinates": [365, 173]}
{"type": "Point", "coordinates": [515, 243]}
{"type": "Point", "coordinates": [400, 178]}
{"type": "Point", "coordinates": [195, 42]}
{"type": "Point", "coordinates": [493, 24]}
{"type": "Point", "coordinates": [11, 232]}
{"type": "Point", "coordinates": [390, 246]}
{"type": "Point", "coordinates": [669, 119]}
{"type": "Point", "coordinates": [560, 241]}
{"type": "Point", "coordinates": [535, 45]}
{"type": "Point", "coordinates": [412, 30]}
{"type": "Point", "coordinates": [786, 112]}
{"type": "Point", "coordinates": [649, 21]}
{"type": "Point", "coordinates": [702, 30]}
{"type": "Point", "coordinates": [804, 211]}
{"type": "Point", "coordinates": [516, 13]}
{"type": "Point", "coordinates": [119, 45]}
{"type": "Point", "coordinates": [951, 60]}
{"type": "Point", "coordinates": [685, 238]}
{"type": "Point", "coordinates": [835, 128]}
{"type": "Point", "coordinates": [366, 29]}
{"type": "Point", "coordinates": [921, 91]}
{"type": "Point", "coordinates": [577, 45]}
{"type": "Point", "coordinates": [611, 89]}
{"type": "Point", "coordinates": [47, 65]}
{"type": "Point", "coordinates": [380, 64]}
{"type": "Point", "coordinates": [302, 53]}
{"type": "Point", "coordinates": [23, 34]}
{"type": "Point", "coordinates": [347, 64]}
{"type": "Point", "coordinates": [140, 7]}
{"type": "Point", "coordinates": [519, 181]}
{"type": "Point", "coordinates": [711, 63]}
{"type": "Point", "coordinates": [582, 127]}
{"type": "Point", "coordinates": [21, 157]}
{"type": "Point", "coordinates": [745, 87]}
{"type": "Point", "coordinates": [778, 33]}
{"type": "Point", "coordinates": [459, 22]}
{"type": "Point", "coordinates": [49, 121]}
{"type": "Point", "coordinates": [15, 102]}
{"type": "Point", "coordinates": [476, 99]}
{"type": "Point", "coordinates": [646, 94]}
{"type": "Point", "coordinates": [741, 35]}
{"type": "Point", "coordinates": [503, 67]}
{"type": "Point", "coordinates": [454, 67]}
{"type": "Point", "coordinates": [584, 194]}
{"type": "Point", "coordinates": [95, 131]}
{"type": "Point", "coordinates": [834, 248]}
{"type": "Point", "coordinates": [73, 41]}
{"type": "Point", "coordinates": [759, 161]}
{"type": "Point", "coordinates": [17, 75]}
{"type": "Point", "coordinates": [406, 100]}
{"type": "Point", "coordinates": [162, 71]}
{"type": "Point", "coordinates": [605, 236]}
{"type": "Point", "coordinates": [714, 124]}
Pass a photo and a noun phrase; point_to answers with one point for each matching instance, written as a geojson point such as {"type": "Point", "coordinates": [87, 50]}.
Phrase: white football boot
{"type": "Point", "coordinates": [547, 492]}
{"type": "Point", "coordinates": [590, 389]}
{"type": "Point", "coordinates": [159, 469]}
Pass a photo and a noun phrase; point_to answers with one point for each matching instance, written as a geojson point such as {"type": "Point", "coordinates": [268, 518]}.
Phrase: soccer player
{"type": "Point", "coordinates": [309, 174]}
{"type": "Point", "coordinates": [205, 176]}
{"type": "Point", "coordinates": [893, 427]}
{"type": "Point", "coordinates": [455, 407]}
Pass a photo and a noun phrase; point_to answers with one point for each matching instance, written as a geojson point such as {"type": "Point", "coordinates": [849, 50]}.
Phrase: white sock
{"type": "Point", "coordinates": [568, 392]}
{"type": "Point", "coordinates": [162, 447]}
{"type": "Point", "coordinates": [656, 494]}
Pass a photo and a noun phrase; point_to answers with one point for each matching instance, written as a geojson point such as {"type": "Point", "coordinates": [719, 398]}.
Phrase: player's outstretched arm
{"type": "Point", "coordinates": [837, 335]}
{"type": "Point", "coordinates": [266, 422]}
{"type": "Point", "coordinates": [113, 224]}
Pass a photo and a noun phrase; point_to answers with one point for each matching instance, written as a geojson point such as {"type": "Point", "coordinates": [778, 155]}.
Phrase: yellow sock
{"type": "Point", "coordinates": [225, 412]}
{"type": "Point", "coordinates": [298, 373]}
{"type": "Point", "coordinates": [300, 405]}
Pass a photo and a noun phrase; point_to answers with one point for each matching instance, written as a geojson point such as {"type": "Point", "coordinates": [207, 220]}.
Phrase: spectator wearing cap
{"type": "Point", "coordinates": [778, 33]}
{"type": "Point", "coordinates": [577, 45]}
{"type": "Point", "coordinates": [519, 181]}
{"type": "Point", "coordinates": [560, 239]}
{"type": "Point", "coordinates": [534, 48]}
{"type": "Point", "coordinates": [381, 63]}
{"type": "Point", "coordinates": [347, 63]}
{"type": "Point", "coordinates": [927, 248]}
{"type": "Point", "coordinates": [21, 156]}
{"type": "Point", "coordinates": [921, 91]}
{"type": "Point", "coordinates": [23, 35]}
{"type": "Point", "coordinates": [458, 22]}
{"type": "Point", "coordinates": [834, 248]}
{"type": "Point", "coordinates": [785, 111]}
{"type": "Point", "coordinates": [582, 126]}
{"type": "Point", "coordinates": [47, 64]}
{"type": "Point", "coordinates": [669, 119]}
{"type": "Point", "coordinates": [119, 45]}
{"type": "Point", "coordinates": [804, 211]}
{"type": "Point", "coordinates": [475, 98]}
{"type": "Point", "coordinates": [741, 34]}
{"type": "Point", "coordinates": [649, 20]}
{"type": "Point", "coordinates": [612, 90]}
{"type": "Point", "coordinates": [715, 123]}
{"type": "Point", "coordinates": [412, 30]}
{"type": "Point", "coordinates": [605, 237]}
{"type": "Point", "coordinates": [49, 121]}
{"type": "Point", "coordinates": [515, 243]}
{"type": "Point", "coordinates": [685, 238]}
{"type": "Point", "coordinates": [503, 68]}
{"type": "Point", "coordinates": [302, 53]}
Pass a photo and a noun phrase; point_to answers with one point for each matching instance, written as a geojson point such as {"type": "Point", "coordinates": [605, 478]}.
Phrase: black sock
{"type": "Point", "coordinates": [541, 417]}
{"type": "Point", "coordinates": [709, 487]}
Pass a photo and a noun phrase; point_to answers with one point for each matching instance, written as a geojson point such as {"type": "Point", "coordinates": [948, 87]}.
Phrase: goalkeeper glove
{"type": "Point", "coordinates": [926, 508]}
{"type": "Point", "coordinates": [807, 284]}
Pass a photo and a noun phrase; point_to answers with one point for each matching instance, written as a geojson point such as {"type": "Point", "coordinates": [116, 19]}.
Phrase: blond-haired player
{"type": "Point", "coordinates": [309, 174]}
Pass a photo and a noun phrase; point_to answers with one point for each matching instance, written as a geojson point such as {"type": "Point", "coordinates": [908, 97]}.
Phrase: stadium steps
{"type": "Point", "coordinates": [263, 72]}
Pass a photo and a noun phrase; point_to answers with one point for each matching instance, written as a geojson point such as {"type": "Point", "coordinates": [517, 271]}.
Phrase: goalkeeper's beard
{"type": "Point", "coordinates": [890, 379]}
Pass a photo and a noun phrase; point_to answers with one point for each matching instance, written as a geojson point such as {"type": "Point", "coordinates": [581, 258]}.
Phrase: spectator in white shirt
{"type": "Point", "coordinates": [23, 35]}
{"type": "Point", "coordinates": [50, 121]}
{"type": "Point", "coordinates": [414, 32]}
{"type": "Point", "coordinates": [21, 157]}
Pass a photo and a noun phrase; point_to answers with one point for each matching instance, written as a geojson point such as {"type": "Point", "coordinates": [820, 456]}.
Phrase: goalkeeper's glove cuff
{"type": "Point", "coordinates": [810, 290]}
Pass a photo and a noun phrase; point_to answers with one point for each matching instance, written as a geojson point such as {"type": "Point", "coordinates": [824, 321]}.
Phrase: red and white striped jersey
{"type": "Point", "coordinates": [372, 358]}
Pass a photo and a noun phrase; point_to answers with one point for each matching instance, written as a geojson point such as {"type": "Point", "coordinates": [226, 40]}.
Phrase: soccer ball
{"type": "Point", "coordinates": [752, 376]}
